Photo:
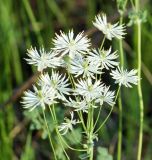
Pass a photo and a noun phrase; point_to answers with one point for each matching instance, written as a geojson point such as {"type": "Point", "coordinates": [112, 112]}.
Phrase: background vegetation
{"type": "Point", "coordinates": [34, 22]}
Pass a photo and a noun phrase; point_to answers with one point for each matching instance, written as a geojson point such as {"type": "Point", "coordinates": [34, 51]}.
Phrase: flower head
{"type": "Point", "coordinates": [106, 96]}
{"type": "Point", "coordinates": [67, 44]}
{"type": "Point", "coordinates": [42, 59]}
{"type": "Point", "coordinates": [46, 95]}
{"type": "Point", "coordinates": [68, 124]}
{"type": "Point", "coordinates": [84, 67]}
{"type": "Point", "coordinates": [58, 82]}
{"type": "Point", "coordinates": [87, 89]}
{"type": "Point", "coordinates": [103, 57]}
{"type": "Point", "coordinates": [110, 30]}
{"type": "Point", "coordinates": [124, 77]}
{"type": "Point", "coordinates": [78, 105]}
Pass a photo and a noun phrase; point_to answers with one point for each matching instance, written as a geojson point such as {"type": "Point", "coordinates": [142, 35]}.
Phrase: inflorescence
{"type": "Point", "coordinates": [80, 86]}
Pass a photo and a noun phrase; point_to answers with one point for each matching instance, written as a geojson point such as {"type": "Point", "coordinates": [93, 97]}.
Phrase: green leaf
{"type": "Point", "coordinates": [103, 154]}
{"type": "Point", "coordinates": [60, 153]}
{"type": "Point", "coordinates": [84, 156]}
{"type": "Point", "coordinates": [75, 136]}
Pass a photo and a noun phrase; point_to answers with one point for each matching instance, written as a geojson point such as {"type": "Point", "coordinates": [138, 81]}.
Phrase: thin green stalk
{"type": "Point", "coordinates": [102, 42]}
{"type": "Point", "coordinates": [56, 129]}
{"type": "Point", "coordinates": [104, 38]}
{"type": "Point", "coordinates": [54, 113]}
{"type": "Point", "coordinates": [88, 119]}
{"type": "Point", "coordinates": [79, 113]}
{"type": "Point", "coordinates": [58, 133]}
{"type": "Point", "coordinates": [119, 146]}
{"type": "Point", "coordinates": [121, 45]}
{"type": "Point", "coordinates": [47, 127]}
{"type": "Point", "coordinates": [141, 105]}
{"type": "Point", "coordinates": [102, 124]}
{"type": "Point", "coordinates": [98, 116]}
{"type": "Point", "coordinates": [71, 80]}
{"type": "Point", "coordinates": [91, 130]}
{"type": "Point", "coordinates": [141, 120]}
{"type": "Point", "coordinates": [82, 120]}
{"type": "Point", "coordinates": [74, 149]}
{"type": "Point", "coordinates": [92, 119]}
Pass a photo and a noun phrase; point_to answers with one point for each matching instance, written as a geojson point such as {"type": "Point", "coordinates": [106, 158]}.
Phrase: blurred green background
{"type": "Point", "coordinates": [25, 23]}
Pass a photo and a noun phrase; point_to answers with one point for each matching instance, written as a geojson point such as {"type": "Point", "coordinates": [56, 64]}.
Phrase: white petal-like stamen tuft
{"type": "Point", "coordinates": [124, 77]}
{"type": "Point", "coordinates": [42, 59]}
{"type": "Point", "coordinates": [68, 124]}
{"type": "Point", "coordinates": [67, 44]}
{"type": "Point", "coordinates": [58, 82]}
{"type": "Point", "coordinates": [106, 96]}
{"type": "Point", "coordinates": [104, 58]}
{"type": "Point", "coordinates": [88, 90]}
{"type": "Point", "coordinates": [44, 96]}
{"type": "Point", "coordinates": [108, 29]}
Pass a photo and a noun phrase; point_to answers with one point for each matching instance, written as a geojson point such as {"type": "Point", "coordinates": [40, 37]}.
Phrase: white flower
{"type": "Point", "coordinates": [106, 96]}
{"type": "Point", "coordinates": [103, 57]}
{"type": "Point", "coordinates": [43, 59]}
{"type": "Point", "coordinates": [58, 82]}
{"type": "Point", "coordinates": [68, 124]}
{"type": "Point", "coordinates": [108, 29]}
{"type": "Point", "coordinates": [79, 105]}
{"type": "Point", "coordinates": [124, 77]}
{"type": "Point", "coordinates": [84, 67]}
{"type": "Point", "coordinates": [46, 95]}
{"type": "Point", "coordinates": [67, 44]}
{"type": "Point", "coordinates": [87, 89]}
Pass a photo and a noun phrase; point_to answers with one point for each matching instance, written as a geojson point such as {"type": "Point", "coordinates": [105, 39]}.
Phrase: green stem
{"type": "Point", "coordinates": [141, 105]}
{"type": "Point", "coordinates": [54, 114]}
{"type": "Point", "coordinates": [71, 80]}
{"type": "Point", "coordinates": [56, 129]}
{"type": "Point", "coordinates": [88, 119]}
{"type": "Point", "coordinates": [79, 113]}
{"type": "Point", "coordinates": [60, 136]}
{"type": "Point", "coordinates": [102, 42]}
{"type": "Point", "coordinates": [82, 121]}
{"type": "Point", "coordinates": [120, 128]}
{"type": "Point", "coordinates": [91, 154]}
{"type": "Point", "coordinates": [98, 116]}
{"type": "Point", "coordinates": [74, 149]}
{"type": "Point", "coordinates": [90, 132]}
{"type": "Point", "coordinates": [119, 146]}
{"type": "Point", "coordinates": [51, 143]}
{"type": "Point", "coordinates": [102, 124]}
{"type": "Point", "coordinates": [121, 45]}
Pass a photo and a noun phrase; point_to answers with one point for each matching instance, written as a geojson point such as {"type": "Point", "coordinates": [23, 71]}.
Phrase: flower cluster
{"type": "Point", "coordinates": [81, 88]}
